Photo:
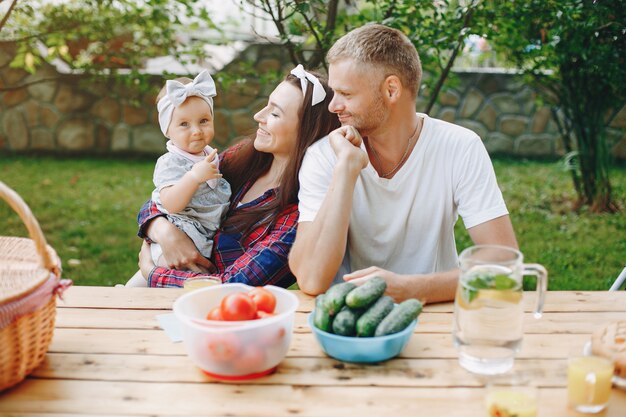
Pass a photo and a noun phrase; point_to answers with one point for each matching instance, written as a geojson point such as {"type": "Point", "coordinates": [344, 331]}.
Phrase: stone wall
{"type": "Point", "coordinates": [505, 113]}
{"type": "Point", "coordinates": [64, 114]}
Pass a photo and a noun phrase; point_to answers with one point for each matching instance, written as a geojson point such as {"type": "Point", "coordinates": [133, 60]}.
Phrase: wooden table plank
{"type": "Point", "coordinates": [155, 342]}
{"type": "Point", "coordinates": [563, 301]}
{"type": "Point", "coordinates": [303, 371]}
{"type": "Point", "coordinates": [162, 299]}
{"type": "Point", "coordinates": [550, 323]}
{"type": "Point", "coordinates": [68, 414]}
{"type": "Point", "coordinates": [132, 398]}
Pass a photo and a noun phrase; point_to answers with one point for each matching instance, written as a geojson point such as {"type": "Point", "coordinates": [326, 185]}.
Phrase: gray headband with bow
{"type": "Point", "coordinates": [202, 86]}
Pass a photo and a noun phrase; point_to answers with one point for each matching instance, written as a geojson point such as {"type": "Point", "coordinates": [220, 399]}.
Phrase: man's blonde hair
{"type": "Point", "coordinates": [383, 47]}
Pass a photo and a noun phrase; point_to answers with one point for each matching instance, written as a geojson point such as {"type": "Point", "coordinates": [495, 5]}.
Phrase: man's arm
{"type": "Point", "coordinates": [498, 231]}
{"type": "Point", "coordinates": [320, 244]}
{"type": "Point", "coordinates": [438, 286]}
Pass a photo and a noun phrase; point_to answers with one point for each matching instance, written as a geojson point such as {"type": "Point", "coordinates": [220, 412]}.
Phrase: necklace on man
{"type": "Point", "coordinates": [406, 152]}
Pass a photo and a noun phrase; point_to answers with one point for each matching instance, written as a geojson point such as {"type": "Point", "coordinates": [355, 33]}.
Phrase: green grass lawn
{"type": "Point", "coordinates": [87, 208]}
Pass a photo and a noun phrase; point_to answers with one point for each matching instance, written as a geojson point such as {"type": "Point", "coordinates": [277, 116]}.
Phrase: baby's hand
{"type": "Point", "coordinates": [206, 170]}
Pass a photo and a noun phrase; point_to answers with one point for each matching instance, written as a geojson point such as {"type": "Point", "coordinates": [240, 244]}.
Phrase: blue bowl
{"type": "Point", "coordinates": [362, 349]}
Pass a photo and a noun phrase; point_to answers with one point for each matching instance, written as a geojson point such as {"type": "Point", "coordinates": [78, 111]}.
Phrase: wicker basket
{"type": "Point", "coordinates": [29, 279]}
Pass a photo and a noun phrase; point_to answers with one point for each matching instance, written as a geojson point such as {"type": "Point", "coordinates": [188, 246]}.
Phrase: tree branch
{"type": "Point", "coordinates": [614, 112]}
{"type": "Point", "coordinates": [565, 131]}
{"type": "Point", "coordinates": [331, 17]}
{"type": "Point", "coordinates": [390, 9]}
{"type": "Point", "coordinates": [39, 36]}
{"type": "Point", "coordinates": [281, 30]}
{"type": "Point", "coordinates": [296, 51]}
{"type": "Point", "coordinates": [6, 16]}
{"type": "Point", "coordinates": [28, 84]}
{"type": "Point", "coordinates": [549, 87]}
{"type": "Point", "coordinates": [316, 58]}
{"type": "Point", "coordinates": [444, 75]}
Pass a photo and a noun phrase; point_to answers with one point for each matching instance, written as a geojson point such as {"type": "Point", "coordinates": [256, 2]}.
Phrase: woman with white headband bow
{"type": "Point", "coordinates": [254, 240]}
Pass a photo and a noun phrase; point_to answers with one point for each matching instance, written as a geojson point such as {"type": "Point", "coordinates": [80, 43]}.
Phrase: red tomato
{"type": "Point", "coordinates": [264, 299]}
{"type": "Point", "coordinates": [214, 314]}
{"type": "Point", "coordinates": [223, 347]}
{"type": "Point", "coordinates": [250, 360]}
{"type": "Point", "coordinates": [237, 306]}
{"type": "Point", "coordinates": [260, 314]}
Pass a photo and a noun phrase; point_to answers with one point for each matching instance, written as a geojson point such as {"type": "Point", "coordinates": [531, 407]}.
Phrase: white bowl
{"type": "Point", "coordinates": [235, 350]}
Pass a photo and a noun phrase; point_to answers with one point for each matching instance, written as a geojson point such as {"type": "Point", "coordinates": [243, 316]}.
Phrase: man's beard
{"type": "Point", "coordinates": [372, 118]}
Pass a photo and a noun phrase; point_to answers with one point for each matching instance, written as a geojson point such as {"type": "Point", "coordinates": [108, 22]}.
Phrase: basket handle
{"type": "Point", "coordinates": [34, 231]}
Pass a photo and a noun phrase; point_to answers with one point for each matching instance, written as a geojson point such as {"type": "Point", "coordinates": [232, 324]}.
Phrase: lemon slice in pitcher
{"type": "Point", "coordinates": [509, 296]}
{"type": "Point", "coordinates": [485, 286]}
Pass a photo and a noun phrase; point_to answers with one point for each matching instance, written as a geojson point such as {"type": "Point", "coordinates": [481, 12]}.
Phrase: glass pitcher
{"type": "Point", "coordinates": [489, 309]}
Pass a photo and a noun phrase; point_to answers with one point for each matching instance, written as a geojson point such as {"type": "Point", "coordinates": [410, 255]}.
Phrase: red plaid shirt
{"type": "Point", "coordinates": [259, 259]}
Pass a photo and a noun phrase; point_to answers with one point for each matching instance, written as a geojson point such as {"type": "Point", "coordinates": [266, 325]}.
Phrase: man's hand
{"type": "Point", "coordinates": [396, 284]}
{"type": "Point", "coordinates": [179, 250]}
{"type": "Point", "coordinates": [345, 142]}
{"type": "Point", "coordinates": [205, 169]}
{"type": "Point", "coordinates": [428, 288]}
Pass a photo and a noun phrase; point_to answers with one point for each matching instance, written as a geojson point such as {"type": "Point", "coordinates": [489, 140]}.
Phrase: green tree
{"type": "Point", "coordinates": [104, 37]}
{"type": "Point", "coordinates": [575, 52]}
{"type": "Point", "coordinates": [437, 29]}
{"type": "Point", "coordinates": [109, 37]}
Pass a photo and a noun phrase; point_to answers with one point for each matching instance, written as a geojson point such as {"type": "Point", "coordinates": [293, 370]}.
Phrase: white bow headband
{"type": "Point", "coordinates": [202, 86]}
{"type": "Point", "coordinates": [319, 94]}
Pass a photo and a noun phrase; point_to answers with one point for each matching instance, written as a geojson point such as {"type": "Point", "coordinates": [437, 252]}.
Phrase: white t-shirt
{"type": "Point", "coordinates": [406, 224]}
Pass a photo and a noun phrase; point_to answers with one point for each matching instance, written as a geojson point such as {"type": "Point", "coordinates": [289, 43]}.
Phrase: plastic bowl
{"type": "Point", "coordinates": [235, 350]}
{"type": "Point", "coordinates": [362, 349]}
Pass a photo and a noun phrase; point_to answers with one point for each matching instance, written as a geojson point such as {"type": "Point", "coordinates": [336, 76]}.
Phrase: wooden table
{"type": "Point", "coordinates": [109, 357]}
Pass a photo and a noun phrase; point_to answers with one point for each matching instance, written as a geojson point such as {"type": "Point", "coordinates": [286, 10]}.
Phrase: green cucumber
{"type": "Point", "coordinates": [335, 297]}
{"type": "Point", "coordinates": [321, 318]}
{"type": "Point", "coordinates": [367, 323]}
{"type": "Point", "coordinates": [399, 318]}
{"type": "Point", "coordinates": [366, 294]}
{"type": "Point", "coordinates": [344, 322]}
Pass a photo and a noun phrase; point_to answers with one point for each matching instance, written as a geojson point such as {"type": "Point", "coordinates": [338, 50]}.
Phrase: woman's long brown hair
{"type": "Point", "coordinates": [249, 164]}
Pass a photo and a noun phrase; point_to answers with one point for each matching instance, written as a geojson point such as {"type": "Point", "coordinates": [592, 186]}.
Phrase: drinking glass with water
{"type": "Point", "coordinates": [488, 307]}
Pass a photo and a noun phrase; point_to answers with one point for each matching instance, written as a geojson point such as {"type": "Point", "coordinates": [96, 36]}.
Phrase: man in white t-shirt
{"type": "Point", "coordinates": [380, 195]}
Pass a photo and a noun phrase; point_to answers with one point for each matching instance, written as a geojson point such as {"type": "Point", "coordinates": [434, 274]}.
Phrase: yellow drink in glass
{"type": "Point", "coordinates": [511, 402]}
{"type": "Point", "coordinates": [589, 383]}
{"type": "Point", "coordinates": [197, 283]}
